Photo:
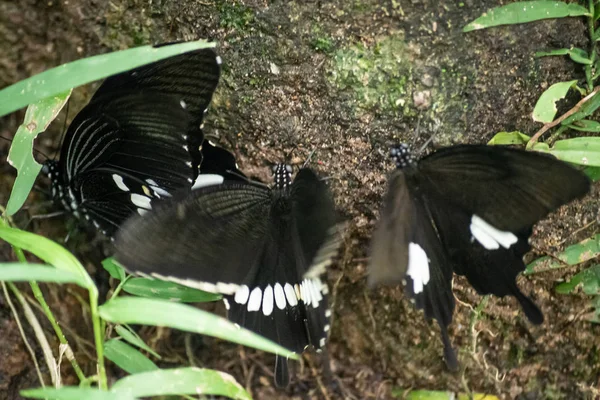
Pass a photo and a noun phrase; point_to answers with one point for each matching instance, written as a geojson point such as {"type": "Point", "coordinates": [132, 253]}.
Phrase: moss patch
{"type": "Point", "coordinates": [374, 77]}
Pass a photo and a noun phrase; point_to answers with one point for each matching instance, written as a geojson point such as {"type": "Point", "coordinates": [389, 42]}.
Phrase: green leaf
{"type": "Point", "coordinates": [75, 393]}
{"type": "Point", "coordinates": [64, 77]}
{"type": "Point", "coordinates": [127, 358]}
{"type": "Point", "coordinates": [592, 172]}
{"type": "Point", "coordinates": [545, 108]}
{"type": "Point", "coordinates": [25, 272]}
{"type": "Point", "coordinates": [439, 395]}
{"type": "Point", "coordinates": [37, 119]}
{"type": "Point", "coordinates": [158, 289]}
{"type": "Point", "coordinates": [525, 11]}
{"type": "Point", "coordinates": [134, 339]}
{"type": "Point", "coordinates": [576, 54]}
{"type": "Point", "coordinates": [114, 269]}
{"type": "Point", "coordinates": [49, 251]}
{"type": "Point", "coordinates": [137, 310]}
{"type": "Point", "coordinates": [505, 138]}
{"type": "Point", "coordinates": [589, 280]}
{"type": "Point", "coordinates": [586, 110]}
{"type": "Point", "coordinates": [581, 150]}
{"type": "Point", "coordinates": [180, 381]}
{"type": "Point", "coordinates": [585, 125]}
{"type": "Point", "coordinates": [578, 253]}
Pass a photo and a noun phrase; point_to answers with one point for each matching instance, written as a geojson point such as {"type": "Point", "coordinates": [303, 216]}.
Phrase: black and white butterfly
{"type": "Point", "coordinates": [263, 248]}
{"type": "Point", "coordinates": [137, 140]}
{"type": "Point", "coordinates": [466, 209]}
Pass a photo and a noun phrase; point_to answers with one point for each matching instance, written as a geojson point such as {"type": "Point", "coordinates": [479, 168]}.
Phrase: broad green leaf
{"type": "Point", "coordinates": [586, 110]}
{"type": "Point", "coordinates": [158, 289]}
{"type": "Point", "coordinates": [589, 280]}
{"type": "Point", "coordinates": [25, 272]}
{"type": "Point", "coordinates": [545, 108]}
{"type": "Point", "coordinates": [595, 315]}
{"type": "Point", "coordinates": [127, 358]}
{"type": "Point", "coordinates": [505, 138]}
{"type": "Point", "coordinates": [75, 393]}
{"type": "Point", "coordinates": [439, 395]}
{"type": "Point", "coordinates": [49, 251]}
{"type": "Point", "coordinates": [197, 381]}
{"type": "Point", "coordinates": [37, 119]}
{"type": "Point", "coordinates": [134, 339]}
{"type": "Point", "coordinates": [67, 76]}
{"type": "Point", "coordinates": [578, 253]}
{"type": "Point", "coordinates": [114, 269]}
{"type": "Point", "coordinates": [576, 54]}
{"type": "Point", "coordinates": [581, 150]}
{"type": "Point", "coordinates": [585, 125]}
{"type": "Point", "coordinates": [526, 11]}
{"type": "Point", "coordinates": [137, 310]}
{"type": "Point", "coordinates": [592, 172]}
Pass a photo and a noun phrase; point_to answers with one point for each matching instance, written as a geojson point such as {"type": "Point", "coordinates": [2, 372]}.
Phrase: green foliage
{"type": "Point", "coordinates": [439, 395]}
{"type": "Point", "coordinates": [545, 108]}
{"type": "Point", "coordinates": [526, 11]}
{"type": "Point", "coordinates": [235, 15]}
{"type": "Point", "coordinates": [575, 254]}
{"type": "Point", "coordinates": [581, 151]}
{"type": "Point", "coordinates": [506, 138]}
{"type": "Point", "coordinates": [37, 119]}
{"type": "Point", "coordinates": [127, 358]}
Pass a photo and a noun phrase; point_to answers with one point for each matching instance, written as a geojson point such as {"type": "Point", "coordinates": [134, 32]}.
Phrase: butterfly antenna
{"type": "Point", "coordinates": [422, 148]}
{"type": "Point", "coordinates": [308, 158]}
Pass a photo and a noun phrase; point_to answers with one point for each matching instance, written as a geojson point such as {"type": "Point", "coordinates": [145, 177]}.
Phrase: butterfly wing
{"type": "Point", "coordinates": [486, 200]}
{"type": "Point", "coordinates": [120, 155]}
{"type": "Point", "coordinates": [191, 78]}
{"type": "Point", "coordinates": [406, 246]}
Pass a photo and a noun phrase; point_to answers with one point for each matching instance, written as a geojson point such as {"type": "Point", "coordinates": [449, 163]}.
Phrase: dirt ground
{"type": "Point", "coordinates": [344, 79]}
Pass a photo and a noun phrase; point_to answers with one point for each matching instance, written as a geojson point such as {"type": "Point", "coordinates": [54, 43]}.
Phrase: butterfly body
{"type": "Point", "coordinates": [467, 210]}
{"type": "Point", "coordinates": [263, 248]}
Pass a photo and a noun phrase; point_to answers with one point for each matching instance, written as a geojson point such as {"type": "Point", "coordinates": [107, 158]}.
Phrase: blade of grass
{"type": "Point", "coordinates": [136, 310]}
{"type": "Point", "coordinates": [525, 11]}
{"type": "Point", "coordinates": [25, 272]}
{"type": "Point", "coordinates": [127, 358]}
{"type": "Point", "coordinates": [192, 380]}
{"type": "Point", "coordinates": [157, 289]}
{"type": "Point", "coordinates": [76, 73]}
{"type": "Point", "coordinates": [134, 339]}
{"type": "Point", "coordinates": [75, 393]}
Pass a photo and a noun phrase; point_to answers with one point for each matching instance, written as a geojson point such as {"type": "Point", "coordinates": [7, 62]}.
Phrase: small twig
{"type": "Point", "coordinates": [25, 341]}
{"type": "Point", "coordinates": [560, 119]}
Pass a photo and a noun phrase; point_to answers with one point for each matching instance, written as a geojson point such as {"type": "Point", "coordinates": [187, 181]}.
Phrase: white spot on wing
{"type": "Point", "coordinates": [279, 296]}
{"type": "Point", "coordinates": [204, 180]}
{"type": "Point", "coordinates": [254, 301]}
{"type": "Point", "coordinates": [267, 305]}
{"type": "Point", "coordinates": [119, 182]}
{"type": "Point", "coordinates": [241, 296]}
{"type": "Point", "coordinates": [418, 267]}
{"type": "Point", "coordinates": [490, 237]}
{"type": "Point", "coordinates": [141, 201]}
{"type": "Point", "coordinates": [290, 295]}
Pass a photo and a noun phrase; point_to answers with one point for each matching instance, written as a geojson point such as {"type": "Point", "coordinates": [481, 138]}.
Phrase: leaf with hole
{"type": "Point", "coordinates": [137, 310]}
{"type": "Point", "coordinates": [581, 150]}
{"type": "Point", "coordinates": [37, 118]}
{"type": "Point", "coordinates": [506, 138]}
{"type": "Point", "coordinates": [127, 358]}
{"type": "Point", "coordinates": [526, 11]}
{"type": "Point", "coordinates": [158, 289]}
{"type": "Point", "coordinates": [589, 280]}
{"type": "Point", "coordinates": [577, 253]}
{"type": "Point", "coordinates": [132, 337]}
{"type": "Point", "coordinates": [545, 108]}
{"type": "Point", "coordinates": [67, 76]}
{"type": "Point", "coordinates": [193, 381]}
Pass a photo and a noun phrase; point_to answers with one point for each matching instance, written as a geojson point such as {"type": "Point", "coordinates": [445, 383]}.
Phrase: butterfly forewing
{"type": "Point", "coordinates": [508, 188]}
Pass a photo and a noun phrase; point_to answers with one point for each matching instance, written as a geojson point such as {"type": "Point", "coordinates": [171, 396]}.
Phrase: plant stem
{"type": "Point", "coordinates": [37, 292]}
{"type": "Point", "coordinates": [98, 338]}
{"type": "Point", "coordinates": [592, 31]}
